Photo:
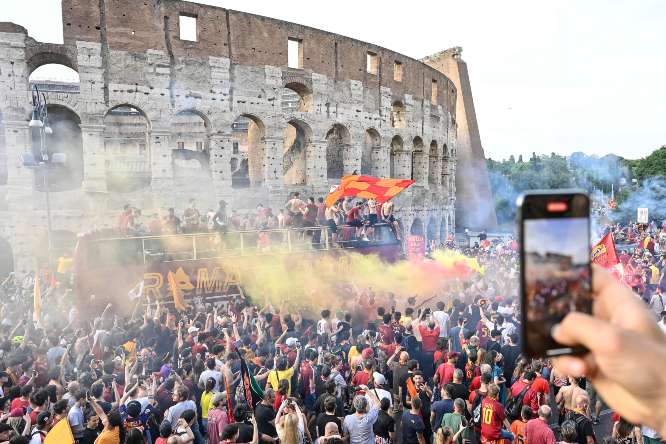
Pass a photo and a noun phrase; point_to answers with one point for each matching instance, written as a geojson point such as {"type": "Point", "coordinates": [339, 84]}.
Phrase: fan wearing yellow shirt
{"type": "Point", "coordinates": [281, 371]}
{"type": "Point", "coordinates": [206, 398]}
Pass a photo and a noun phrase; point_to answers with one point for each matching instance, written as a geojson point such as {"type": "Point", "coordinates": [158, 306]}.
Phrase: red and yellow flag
{"type": "Point", "coordinates": [368, 187]}
{"type": "Point", "coordinates": [603, 253]}
{"type": "Point", "coordinates": [177, 292]}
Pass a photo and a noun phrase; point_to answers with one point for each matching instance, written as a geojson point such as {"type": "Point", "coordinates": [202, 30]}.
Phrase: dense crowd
{"type": "Point", "coordinates": [297, 213]}
{"type": "Point", "coordinates": [446, 369]}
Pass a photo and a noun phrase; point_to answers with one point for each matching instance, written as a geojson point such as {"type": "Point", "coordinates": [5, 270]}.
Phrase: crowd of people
{"type": "Point", "coordinates": [361, 214]}
{"type": "Point", "coordinates": [382, 368]}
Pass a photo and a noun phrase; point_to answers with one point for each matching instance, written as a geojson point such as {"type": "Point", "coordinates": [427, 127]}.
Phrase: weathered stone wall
{"type": "Point", "coordinates": [129, 56]}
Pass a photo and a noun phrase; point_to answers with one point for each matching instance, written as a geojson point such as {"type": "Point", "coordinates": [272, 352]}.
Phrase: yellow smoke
{"type": "Point", "coordinates": [321, 280]}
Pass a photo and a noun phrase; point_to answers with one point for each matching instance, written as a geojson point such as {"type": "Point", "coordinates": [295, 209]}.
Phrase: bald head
{"type": "Point", "coordinates": [582, 402]}
{"type": "Point", "coordinates": [544, 412]}
{"type": "Point", "coordinates": [404, 357]}
{"type": "Point", "coordinates": [331, 428]}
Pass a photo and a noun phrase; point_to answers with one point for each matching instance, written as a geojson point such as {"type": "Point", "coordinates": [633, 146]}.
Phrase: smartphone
{"type": "Point", "coordinates": [555, 273]}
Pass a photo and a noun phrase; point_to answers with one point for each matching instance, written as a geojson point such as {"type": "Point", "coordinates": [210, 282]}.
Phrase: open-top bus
{"type": "Point", "coordinates": [113, 268]}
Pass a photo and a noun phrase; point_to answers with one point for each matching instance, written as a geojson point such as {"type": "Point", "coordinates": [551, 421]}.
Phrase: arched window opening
{"type": "Point", "coordinates": [371, 142]}
{"type": "Point", "coordinates": [296, 97]}
{"type": "Point", "coordinates": [419, 162]}
{"type": "Point", "coordinates": [396, 148]}
{"type": "Point", "coordinates": [65, 138]}
{"type": "Point", "coordinates": [126, 144]}
{"type": "Point", "coordinates": [297, 138]}
{"type": "Point", "coordinates": [337, 143]}
{"type": "Point", "coordinates": [247, 153]}
{"type": "Point", "coordinates": [417, 228]}
{"type": "Point", "coordinates": [433, 170]}
{"type": "Point", "coordinates": [54, 77]}
{"type": "Point", "coordinates": [398, 115]}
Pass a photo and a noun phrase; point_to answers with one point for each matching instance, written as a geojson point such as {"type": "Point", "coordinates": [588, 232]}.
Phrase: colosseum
{"type": "Point", "coordinates": [177, 100]}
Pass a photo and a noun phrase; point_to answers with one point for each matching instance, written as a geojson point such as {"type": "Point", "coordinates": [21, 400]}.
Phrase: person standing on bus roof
{"type": "Point", "coordinates": [192, 218]}
{"type": "Point", "coordinates": [171, 223]}
{"type": "Point", "coordinates": [125, 219]}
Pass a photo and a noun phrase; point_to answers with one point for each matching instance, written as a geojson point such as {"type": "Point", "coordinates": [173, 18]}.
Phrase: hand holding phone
{"type": "Point", "coordinates": [555, 266]}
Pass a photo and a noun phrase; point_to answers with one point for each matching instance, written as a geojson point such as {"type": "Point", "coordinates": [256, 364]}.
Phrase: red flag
{"type": "Point", "coordinates": [368, 187]}
{"type": "Point", "coordinates": [603, 253]}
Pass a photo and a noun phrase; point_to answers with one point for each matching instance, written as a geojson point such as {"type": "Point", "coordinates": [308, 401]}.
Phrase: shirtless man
{"type": "Point", "coordinates": [566, 397]}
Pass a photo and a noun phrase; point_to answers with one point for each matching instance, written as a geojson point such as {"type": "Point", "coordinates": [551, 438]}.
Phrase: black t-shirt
{"type": "Point", "coordinates": [325, 418]}
{"type": "Point", "coordinates": [510, 354]}
{"type": "Point", "coordinates": [403, 385]}
{"type": "Point", "coordinates": [384, 424]}
{"type": "Point", "coordinates": [264, 414]}
{"type": "Point", "coordinates": [344, 333]}
{"type": "Point", "coordinates": [459, 391]}
{"type": "Point", "coordinates": [583, 428]}
{"type": "Point", "coordinates": [411, 426]}
{"type": "Point", "coordinates": [245, 432]}
{"type": "Point", "coordinates": [399, 373]}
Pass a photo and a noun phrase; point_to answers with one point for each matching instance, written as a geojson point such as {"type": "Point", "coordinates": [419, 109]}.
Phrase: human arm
{"type": "Point", "coordinates": [99, 411]}
{"type": "Point", "coordinates": [189, 435]}
{"type": "Point", "coordinates": [255, 430]}
{"type": "Point", "coordinates": [28, 425]}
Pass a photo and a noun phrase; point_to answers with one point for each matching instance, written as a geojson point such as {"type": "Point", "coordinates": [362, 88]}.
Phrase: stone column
{"type": "Point", "coordinates": [351, 158]}
{"type": "Point", "coordinates": [94, 172]}
{"type": "Point", "coordinates": [403, 164]}
{"type": "Point", "coordinates": [273, 162]}
{"type": "Point", "coordinates": [221, 146]}
{"type": "Point", "coordinates": [420, 167]}
{"type": "Point", "coordinates": [380, 161]}
{"type": "Point", "coordinates": [435, 171]}
{"type": "Point", "coordinates": [161, 168]}
{"type": "Point", "coordinates": [315, 163]}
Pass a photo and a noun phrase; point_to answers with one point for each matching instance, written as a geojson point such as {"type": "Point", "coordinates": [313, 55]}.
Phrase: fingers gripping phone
{"type": "Point", "coordinates": [555, 274]}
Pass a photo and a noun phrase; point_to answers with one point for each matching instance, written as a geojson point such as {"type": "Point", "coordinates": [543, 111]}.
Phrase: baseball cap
{"type": "Point", "coordinates": [291, 342]}
{"type": "Point", "coordinates": [192, 329]}
{"type": "Point", "coordinates": [378, 378]}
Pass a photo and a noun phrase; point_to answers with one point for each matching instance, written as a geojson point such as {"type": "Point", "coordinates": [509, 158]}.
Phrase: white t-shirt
{"type": "Point", "coordinates": [442, 319]}
{"type": "Point", "coordinates": [323, 327]}
{"type": "Point", "coordinates": [210, 374]}
{"type": "Point", "coordinates": [381, 394]}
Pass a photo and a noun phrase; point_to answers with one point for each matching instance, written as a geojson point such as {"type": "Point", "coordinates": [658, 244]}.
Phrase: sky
{"type": "Point", "coordinates": [559, 76]}
{"type": "Point", "coordinates": [568, 236]}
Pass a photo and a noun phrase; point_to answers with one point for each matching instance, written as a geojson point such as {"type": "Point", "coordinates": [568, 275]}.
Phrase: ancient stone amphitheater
{"type": "Point", "coordinates": [177, 100]}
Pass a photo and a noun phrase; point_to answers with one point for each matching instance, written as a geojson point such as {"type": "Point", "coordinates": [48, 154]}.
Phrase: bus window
{"type": "Point", "coordinates": [115, 252]}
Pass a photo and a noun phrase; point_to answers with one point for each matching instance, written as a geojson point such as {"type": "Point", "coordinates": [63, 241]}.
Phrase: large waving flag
{"type": "Point", "coordinates": [251, 389]}
{"type": "Point", "coordinates": [177, 293]}
{"type": "Point", "coordinates": [368, 187]}
{"type": "Point", "coordinates": [603, 253]}
{"type": "Point", "coordinates": [61, 433]}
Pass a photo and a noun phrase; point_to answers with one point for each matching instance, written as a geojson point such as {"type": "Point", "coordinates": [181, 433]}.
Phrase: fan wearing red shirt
{"type": "Point", "coordinates": [444, 373]}
{"type": "Point", "coordinates": [385, 329]}
{"type": "Point", "coordinates": [540, 385]}
{"type": "Point", "coordinates": [493, 417]}
{"type": "Point", "coordinates": [363, 377]}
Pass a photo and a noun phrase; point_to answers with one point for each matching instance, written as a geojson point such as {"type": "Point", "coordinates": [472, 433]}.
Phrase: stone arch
{"type": "Point", "coordinates": [435, 165]}
{"type": "Point", "coordinates": [417, 228]}
{"type": "Point", "coordinates": [371, 143]}
{"type": "Point", "coordinates": [66, 138]}
{"type": "Point", "coordinates": [443, 230]}
{"type": "Point", "coordinates": [63, 243]}
{"type": "Point", "coordinates": [6, 258]}
{"type": "Point", "coordinates": [397, 147]}
{"type": "Point", "coordinates": [53, 55]}
{"type": "Point", "coordinates": [248, 151]}
{"type": "Point", "coordinates": [398, 118]}
{"type": "Point", "coordinates": [296, 97]}
{"type": "Point", "coordinates": [297, 140]}
{"type": "Point", "coordinates": [127, 148]}
{"type": "Point", "coordinates": [419, 161]}
{"type": "Point", "coordinates": [338, 142]}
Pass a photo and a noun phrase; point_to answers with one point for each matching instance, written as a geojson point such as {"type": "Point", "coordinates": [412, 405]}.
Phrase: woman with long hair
{"type": "Point", "coordinates": [289, 423]}
{"type": "Point", "coordinates": [626, 433]}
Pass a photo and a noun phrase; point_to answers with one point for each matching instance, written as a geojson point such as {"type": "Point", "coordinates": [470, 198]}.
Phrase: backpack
{"type": "Point", "coordinates": [41, 433]}
{"type": "Point", "coordinates": [515, 404]}
{"type": "Point", "coordinates": [476, 409]}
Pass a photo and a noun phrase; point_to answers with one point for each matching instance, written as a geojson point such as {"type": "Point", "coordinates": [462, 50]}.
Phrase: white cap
{"type": "Point", "coordinates": [379, 378]}
{"type": "Point", "coordinates": [291, 342]}
{"type": "Point", "coordinates": [192, 329]}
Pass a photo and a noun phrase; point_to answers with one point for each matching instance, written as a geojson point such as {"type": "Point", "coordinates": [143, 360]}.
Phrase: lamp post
{"type": "Point", "coordinates": [39, 158]}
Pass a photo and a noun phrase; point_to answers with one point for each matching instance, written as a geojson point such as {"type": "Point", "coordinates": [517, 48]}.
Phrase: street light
{"type": "Point", "coordinates": [38, 158]}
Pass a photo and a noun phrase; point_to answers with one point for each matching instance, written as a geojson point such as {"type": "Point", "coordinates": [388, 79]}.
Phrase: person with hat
{"type": "Point", "coordinates": [42, 427]}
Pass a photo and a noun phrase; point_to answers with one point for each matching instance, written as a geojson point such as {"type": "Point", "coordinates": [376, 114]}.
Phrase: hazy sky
{"type": "Point", "coordinates": [568, 236]}
{"type": "Point", "coordinates": [556, 76]}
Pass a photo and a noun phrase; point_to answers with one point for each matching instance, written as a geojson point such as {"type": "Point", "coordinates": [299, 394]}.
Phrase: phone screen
{"type": "Point", "coordinates": [556, 271]}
